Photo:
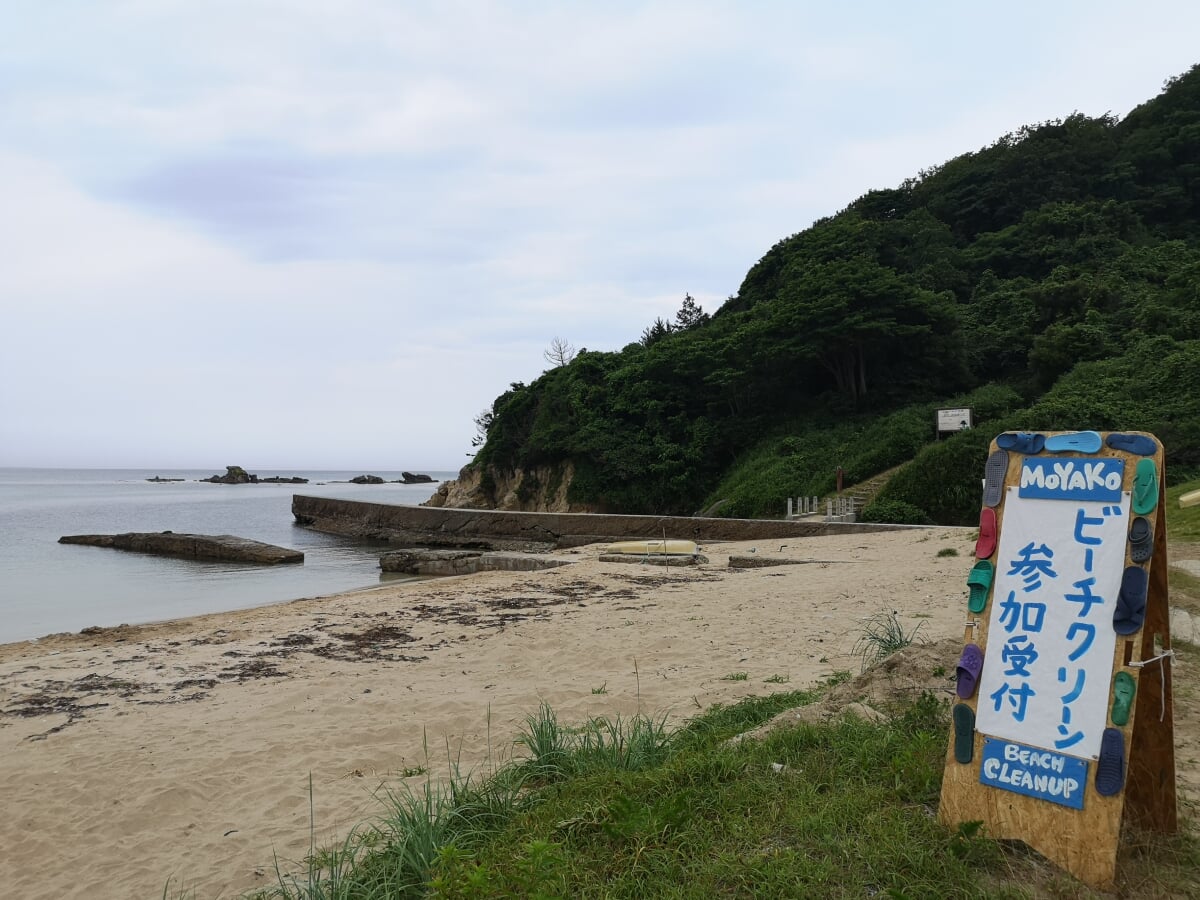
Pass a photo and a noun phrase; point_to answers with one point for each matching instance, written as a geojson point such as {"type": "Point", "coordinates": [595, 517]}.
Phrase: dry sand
{"type": "Point", "coordinates": [183, 751]}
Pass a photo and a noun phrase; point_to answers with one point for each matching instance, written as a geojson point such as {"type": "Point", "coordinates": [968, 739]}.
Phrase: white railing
{"type": "Point", "coordinates": [804, 506]}
{"type": "Point", "coordinates": [837, 509]}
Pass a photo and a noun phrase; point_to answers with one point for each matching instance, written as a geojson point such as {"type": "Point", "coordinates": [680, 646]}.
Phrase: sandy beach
{"type": "Point", "coordinates": [182, 752]}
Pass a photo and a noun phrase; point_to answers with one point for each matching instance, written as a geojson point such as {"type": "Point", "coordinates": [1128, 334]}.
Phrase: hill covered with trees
{"type": "Point", "coordinates": [1050, 280]}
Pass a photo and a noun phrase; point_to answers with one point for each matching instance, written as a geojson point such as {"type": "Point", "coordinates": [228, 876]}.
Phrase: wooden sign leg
{"type": "Point", "coordinates": [1150, 794]}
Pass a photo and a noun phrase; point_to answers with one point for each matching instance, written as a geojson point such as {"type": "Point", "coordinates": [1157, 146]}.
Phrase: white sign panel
{"type": "Point", "coordinates": [953, 419]}
{"type": "Point", "coordinates": [1045, 679]}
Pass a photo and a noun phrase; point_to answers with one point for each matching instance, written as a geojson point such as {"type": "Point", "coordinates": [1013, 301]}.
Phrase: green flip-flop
{"type": "Point", "coordinates": [979, 581]}
{"type": "Point", "coordinates": [1145, 487]}
{"type": "Point", "coordinates": [1124, 689]}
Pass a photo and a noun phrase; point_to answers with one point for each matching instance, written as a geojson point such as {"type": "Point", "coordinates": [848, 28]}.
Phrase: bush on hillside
{"type": "Point", "coordinates": [944, 479]}
{"type": "Point", "coordinates": [895, 512]}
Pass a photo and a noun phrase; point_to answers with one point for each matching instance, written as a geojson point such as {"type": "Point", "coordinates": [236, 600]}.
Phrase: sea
{"type": "Point", "coordinates": [47, 587]}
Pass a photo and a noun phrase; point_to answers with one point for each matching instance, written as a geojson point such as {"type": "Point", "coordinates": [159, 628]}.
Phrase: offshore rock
{"type": "Point", "coordinates": [367, 479]}
{"type": "Point", "coordinates": [238, 475]}
{"type": "Point", "coordinates": [233, 475]}
{"type": "Point", "coordinates": [190, 546]}
{"type": "Point", "coordinates": [416, 478]}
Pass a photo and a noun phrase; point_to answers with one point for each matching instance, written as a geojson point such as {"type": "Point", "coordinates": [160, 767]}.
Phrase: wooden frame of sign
{"type": "Point", "coordinates": [1084, 841]}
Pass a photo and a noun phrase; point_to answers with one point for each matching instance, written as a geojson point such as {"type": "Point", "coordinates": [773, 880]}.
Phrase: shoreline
{"type": "Point", "coordinates": [183, 750]}
{"type": "Point", "coordinates": [198, 618]}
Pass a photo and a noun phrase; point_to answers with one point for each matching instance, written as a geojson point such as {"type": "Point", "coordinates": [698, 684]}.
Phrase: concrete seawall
{"type": "Point", "coordinates": [425, 526]}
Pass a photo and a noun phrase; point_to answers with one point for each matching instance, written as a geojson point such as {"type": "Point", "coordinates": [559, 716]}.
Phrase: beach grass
{"type": "Point", "coordinates": [627, 807]}
{"type": "Point", "coordinates": [882, 636]}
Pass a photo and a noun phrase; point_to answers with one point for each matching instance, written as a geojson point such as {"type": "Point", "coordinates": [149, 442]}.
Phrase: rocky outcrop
{"type": "Point", "coordinates": [190, 546]}
{"type": "Point", "coordinates": [487, 529]}
{"type": "Point", "coordinates": [405, 478]}
{"type": "Point", "coordinates": [238, 475]}
{"type": "Point", "coordinates": [540, 489]}
{"type": "Point", "coordinates": [233, 475]}
{"type": "Point", "coordinates": [465, 562]}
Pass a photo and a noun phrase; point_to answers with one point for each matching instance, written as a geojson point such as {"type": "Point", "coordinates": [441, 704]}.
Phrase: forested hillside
{"type": "Point", "coordinates": [1050, 280]}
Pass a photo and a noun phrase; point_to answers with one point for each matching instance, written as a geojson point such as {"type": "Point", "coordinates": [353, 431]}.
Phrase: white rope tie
{"type": "Point", "coordinates": [1162, 681]}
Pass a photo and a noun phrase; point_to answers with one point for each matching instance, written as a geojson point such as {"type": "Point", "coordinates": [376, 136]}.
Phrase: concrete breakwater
{"type": "Point", "coordinates": [226, 547]}
{"type": "Point", "coordinates": [488, 529]}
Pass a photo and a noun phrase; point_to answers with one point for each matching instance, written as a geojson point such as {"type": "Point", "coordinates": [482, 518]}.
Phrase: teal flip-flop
{"type": "Point", "coordinates": [1145, 487]}
{"type": "Point", "coordinates": [979, 581]}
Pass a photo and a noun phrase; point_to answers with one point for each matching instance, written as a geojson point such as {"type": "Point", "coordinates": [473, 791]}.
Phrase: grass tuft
{"type": "Point", "coordinates": [882, 636]}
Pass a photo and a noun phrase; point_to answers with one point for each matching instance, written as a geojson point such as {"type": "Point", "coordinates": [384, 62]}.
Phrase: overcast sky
{"type": "Point", "coordinates": [327, 235]}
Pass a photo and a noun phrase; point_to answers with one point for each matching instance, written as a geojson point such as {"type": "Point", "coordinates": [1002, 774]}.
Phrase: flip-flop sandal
{"type": "Point", "coordinates": [1077, 441]}
{"type": "Point", "coordinates": [964, 733]}
{"type": "Point", "coordinates": [1028, 442]}
{"type": "Point", "coordinates": [1124, 688]}
{"type": "Point", "coordinates": [1110, 768]}
{"type": "Point", "coordinates": [979, 581]}
{"type": "Point", "coordinates": [994, 472]}
{"type": "Point", "coordinates": [985, 546]}
{"type": "Point", "coordinates": [1145, 487]}
{"type": "Point", "coordinates": [1138, 444]}
{"type": "Point", "coordinates": [970, 664]}
{"type": "Point", "coordinates": [1131, 601]}
{"type": "Point", "coordinates": [1141, 540]}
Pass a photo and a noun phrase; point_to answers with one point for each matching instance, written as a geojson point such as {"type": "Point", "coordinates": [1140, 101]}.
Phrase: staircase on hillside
{"type": "Point", "coordinates": [864, 492]}
{"type": "Point", "coordinates": [844, 506]}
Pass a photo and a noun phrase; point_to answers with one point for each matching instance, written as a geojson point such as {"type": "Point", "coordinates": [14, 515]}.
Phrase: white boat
{"type": "Point", "coordinates": [655, 548]}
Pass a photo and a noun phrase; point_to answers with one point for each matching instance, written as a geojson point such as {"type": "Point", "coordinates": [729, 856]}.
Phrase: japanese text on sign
{"type": "Point", "coordinates": [1046, 672]}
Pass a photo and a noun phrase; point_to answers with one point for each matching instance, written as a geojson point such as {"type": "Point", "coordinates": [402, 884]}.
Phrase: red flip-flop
{"type": "Point", "coordinates": [986, 545]}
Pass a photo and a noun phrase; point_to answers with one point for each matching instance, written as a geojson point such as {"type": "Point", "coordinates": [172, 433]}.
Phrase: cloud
{"type": "Point", "coordinates": [331, 234]}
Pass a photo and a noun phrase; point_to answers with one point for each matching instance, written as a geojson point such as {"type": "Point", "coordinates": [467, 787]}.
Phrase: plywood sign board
{"type": "Point", "coordinates": [1063, 722]}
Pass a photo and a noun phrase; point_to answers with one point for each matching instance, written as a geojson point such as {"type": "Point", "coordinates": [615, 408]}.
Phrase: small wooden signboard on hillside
{"type": "Point", "coordinates": [1064, 721]}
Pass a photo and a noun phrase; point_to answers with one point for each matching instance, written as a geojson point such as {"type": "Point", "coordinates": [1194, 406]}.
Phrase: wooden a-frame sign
{"type": "Point", "coordinates": [1038, 751]}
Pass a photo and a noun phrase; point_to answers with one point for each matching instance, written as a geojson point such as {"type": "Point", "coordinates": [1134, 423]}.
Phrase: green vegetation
{"type": "Point", "coordinates": [882, 636]}
{"type": "Point", "coordinates": [627, 808]}
{"type": "Point", "coordinates": [1050, 280]}
{"type": "Point", "coordinates": [1182, 524]}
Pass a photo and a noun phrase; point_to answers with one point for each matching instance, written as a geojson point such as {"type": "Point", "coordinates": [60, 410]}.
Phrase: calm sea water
{"type": "Point", "coordinates": [47, 587]}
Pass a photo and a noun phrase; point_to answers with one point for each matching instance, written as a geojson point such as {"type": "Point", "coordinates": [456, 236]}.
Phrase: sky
{"type": "Point", "coordinates": [328, 235]}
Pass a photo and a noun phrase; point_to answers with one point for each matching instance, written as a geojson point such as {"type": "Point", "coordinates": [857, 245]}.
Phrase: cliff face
{"type": "Point", "coordinates": [541, 489]}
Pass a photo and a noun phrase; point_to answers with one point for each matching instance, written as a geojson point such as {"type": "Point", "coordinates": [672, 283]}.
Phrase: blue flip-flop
{"type": "Point", "coordinates": [1028, 442]}
{"type": "Point", "coordinates": [1074, 441]}
{"type": "Point", "coordinates": [1138, 444]}
{"type": "Point", "coordinates": [1130, 610]}
{"type": "Point", "coordinates": [1110, 768]}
